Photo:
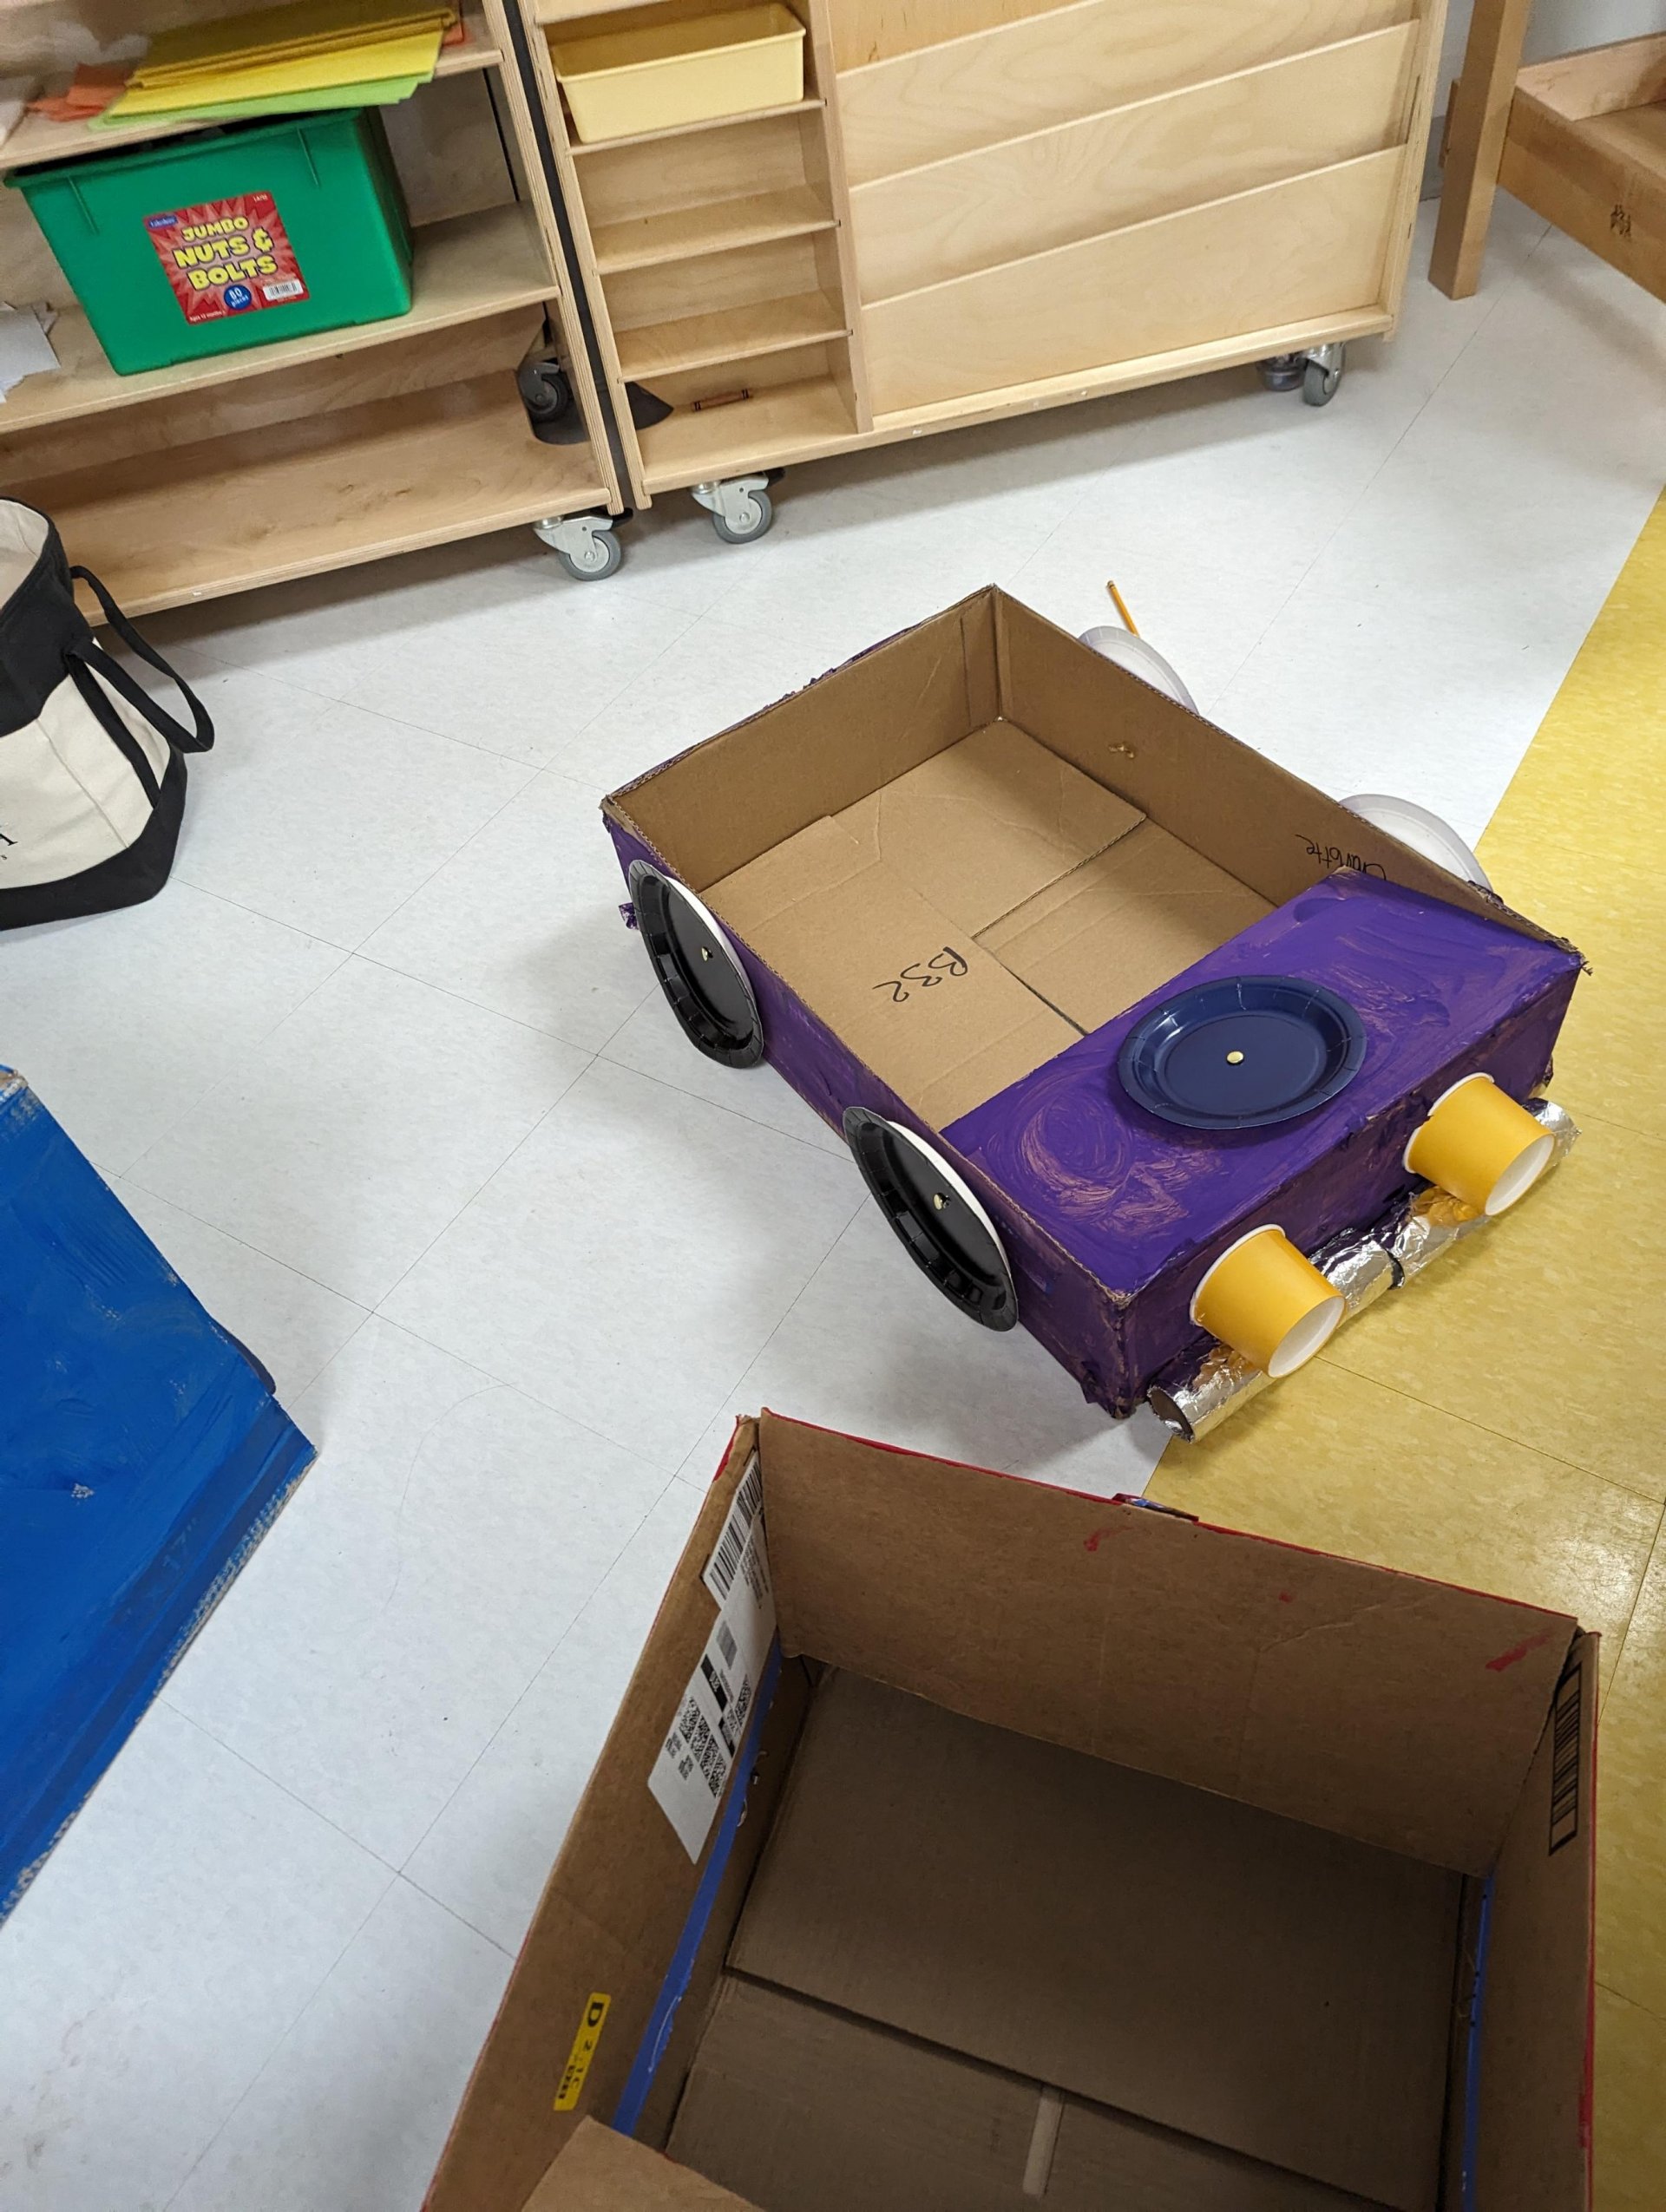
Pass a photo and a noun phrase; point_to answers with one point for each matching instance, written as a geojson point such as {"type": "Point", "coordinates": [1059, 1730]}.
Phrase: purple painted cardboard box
{"type": "Point", "coordinates": [940, 888]}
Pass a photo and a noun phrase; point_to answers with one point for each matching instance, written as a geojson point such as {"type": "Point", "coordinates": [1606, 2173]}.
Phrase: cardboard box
{"type": "Point", "coordinates": [968, 1843]}
{"type": "Point", "coordinates": [958, 871]}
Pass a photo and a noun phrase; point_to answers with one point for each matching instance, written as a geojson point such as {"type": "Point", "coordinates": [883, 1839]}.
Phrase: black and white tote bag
{"type": "Point", "coordinates": [92, 769]}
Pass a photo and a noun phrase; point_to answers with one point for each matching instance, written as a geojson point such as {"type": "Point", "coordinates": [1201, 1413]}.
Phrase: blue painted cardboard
{"type": "Point", "coordinates": [141, 1458]}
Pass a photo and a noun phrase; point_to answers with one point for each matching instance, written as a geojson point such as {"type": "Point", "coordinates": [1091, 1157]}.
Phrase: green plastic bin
{"type": "Point", "coordinates": [234, 238]}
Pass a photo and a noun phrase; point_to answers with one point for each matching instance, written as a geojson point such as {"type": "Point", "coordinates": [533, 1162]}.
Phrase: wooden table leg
{"type": "Point", "coordinates": [1475, 129]}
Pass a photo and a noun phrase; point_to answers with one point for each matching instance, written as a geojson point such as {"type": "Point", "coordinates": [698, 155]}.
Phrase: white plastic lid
{"type": "Point", "coordinates": [1424, 832]}
{"type": "Point", "coordinates": [1113, 642]}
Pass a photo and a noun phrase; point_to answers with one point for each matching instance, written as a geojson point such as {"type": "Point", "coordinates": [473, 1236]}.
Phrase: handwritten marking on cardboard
{"type": "Point", "coordinates": [698, 1750]}
{"type": "Point", "coordinates": [583, 2050]}
{"type": "Point", "coordinates": [923, 975]}
{"type": "Point", "coordinates": [1519, 1651]}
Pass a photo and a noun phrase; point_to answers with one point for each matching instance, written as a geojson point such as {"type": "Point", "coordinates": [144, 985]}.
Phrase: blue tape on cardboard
{"type": "Point", "coordinates": [141, 1458]}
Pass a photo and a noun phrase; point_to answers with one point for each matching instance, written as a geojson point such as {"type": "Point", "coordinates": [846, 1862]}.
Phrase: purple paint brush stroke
{"type": "Point", "coordinates": [1144, 1206]}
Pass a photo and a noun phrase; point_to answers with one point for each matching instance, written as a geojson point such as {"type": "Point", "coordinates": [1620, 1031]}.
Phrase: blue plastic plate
{"type": "Point", "coordinates": [1242, 1053]}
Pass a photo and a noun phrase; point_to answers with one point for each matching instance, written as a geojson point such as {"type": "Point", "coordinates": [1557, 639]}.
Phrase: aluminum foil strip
{"type": "Point", "coordinates": [1195, 1400]}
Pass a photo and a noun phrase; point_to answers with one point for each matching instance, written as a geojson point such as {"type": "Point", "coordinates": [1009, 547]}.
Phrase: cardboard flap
{"type": "Point", "coordinates": [616, 1902]}
{"type": "Point", "coordinates": [810, 2109]}
{"type": "Point", "coordinates": [1126, 923]}
{"type": "Point", "coordinates": [600, 2171]}
{"type": "Point", "coordinates": [1272, 830]}
{"type": "Point", "coordinates": [982, 827]}
{"type": "Point", "coordinates": [1402, 1711]}
{"type": "Point", "coordinates": [1532, 2149]}
{"type": "Point", "coordinates": [727, 800]}
{"type": "Point", "coordinates": [938, 1020]}
{"type": "Point", "coordinates": [1250, 1980]}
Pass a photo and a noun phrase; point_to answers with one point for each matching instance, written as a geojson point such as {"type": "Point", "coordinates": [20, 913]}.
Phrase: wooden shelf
{"type": "Point", "coordinates": [36, 139]}
{"type": "Point", "coordinates": [465, 269]}
{"type": "Point", "coordinates": [687, 130]}
{"type": "Point", "coordinates": [729, 334]}
{"type": "Point", "coordinates": [713, 227]}
{"type": "Point", "coordinates": [785, 423]}
{"type": "Point", "coordinates": [320, 493]}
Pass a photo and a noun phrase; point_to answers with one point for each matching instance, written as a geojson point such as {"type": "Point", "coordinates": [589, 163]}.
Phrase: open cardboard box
{"type": "Point", "coordinates": [968, 1843]}
{"type": "Point", "coordinates": [958, 871]}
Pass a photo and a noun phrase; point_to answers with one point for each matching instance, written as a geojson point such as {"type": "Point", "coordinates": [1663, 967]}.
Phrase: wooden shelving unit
{"type": "Point", "coordinates": [1581, 140]}
{"type": "Point", "coordinates": [218, 474]}
{"type": "Point", "coordinates": [983, 208]}
{"type": "Point", "coordinates": [716, 259]}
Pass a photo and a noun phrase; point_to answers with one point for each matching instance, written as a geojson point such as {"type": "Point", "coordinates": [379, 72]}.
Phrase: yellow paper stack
{"type": "Point", "coordinates": [316, 53]}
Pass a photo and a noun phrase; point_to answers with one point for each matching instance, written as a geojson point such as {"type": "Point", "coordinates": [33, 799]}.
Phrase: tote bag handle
{"type": "Point", "coordinates": [84, 658]}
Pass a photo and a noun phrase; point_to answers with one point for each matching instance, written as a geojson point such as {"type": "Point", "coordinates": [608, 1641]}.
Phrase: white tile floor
{"type": "Point", "coordinates": [382, 1074]}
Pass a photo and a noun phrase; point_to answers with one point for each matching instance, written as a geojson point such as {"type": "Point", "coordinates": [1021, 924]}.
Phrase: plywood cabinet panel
{"type": "Point", "coordinates": [997, 84]}
{"type": "Point", "coordinates": [1151, 158]}
{"type": "Point", "coordinates": [1313, 246]}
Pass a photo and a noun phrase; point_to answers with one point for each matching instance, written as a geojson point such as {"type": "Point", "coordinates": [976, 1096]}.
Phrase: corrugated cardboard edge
{"type": "Point", "coordinates": [600, 2171]}
{"type": "Point", "coordinates": [1130, 1687]}
{"type": "Point", "coordinates": [506, 2130]}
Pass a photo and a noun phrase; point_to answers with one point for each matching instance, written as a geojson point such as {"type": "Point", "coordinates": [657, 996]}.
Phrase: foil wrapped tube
{"type": "Point", "coordinates": [1196, 1397]}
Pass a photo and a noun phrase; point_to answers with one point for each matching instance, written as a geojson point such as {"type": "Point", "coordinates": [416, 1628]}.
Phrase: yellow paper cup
{"type": "Point", "coordinates": [1268, 1301]}
{"type": "Point", "coordinates": [1480, 1146]}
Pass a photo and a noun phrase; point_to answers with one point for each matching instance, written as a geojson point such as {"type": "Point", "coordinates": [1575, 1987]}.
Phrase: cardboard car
{"type": "Point", "coordinates": [1138, 1039]}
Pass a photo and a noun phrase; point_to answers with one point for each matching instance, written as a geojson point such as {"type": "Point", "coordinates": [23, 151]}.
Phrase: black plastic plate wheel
{"type": "Point", "coordinates": [935, 1217]}
{"type": "Point", "coordinates": [703, 982]}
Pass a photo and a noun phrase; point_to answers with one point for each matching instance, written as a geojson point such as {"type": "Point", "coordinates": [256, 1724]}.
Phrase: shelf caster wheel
{"type": "Point", "coordinates": [740, 506]}
{"type": "Point", "coordinates": [1282, 372]}
{"type": "Point", "coordinates": [1322, 374]}
{"type": "Point", "coordinates": [699, 972]}
{"type": "Point", "coordinates": [937, 1217]}
{"type": "Point", "coordinates": [544, 392]}
{"type": "Point", "coordinates": [584, 544]}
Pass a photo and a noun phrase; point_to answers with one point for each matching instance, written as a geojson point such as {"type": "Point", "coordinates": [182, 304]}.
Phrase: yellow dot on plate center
{"type": "Point", "coordinates": [1233, 1059]}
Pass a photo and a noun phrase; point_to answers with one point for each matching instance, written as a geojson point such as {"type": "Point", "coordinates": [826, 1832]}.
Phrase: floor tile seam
{"type": "Point", "coordinates": [483, 1005]}
{"type": "Point", "coordinates": [638, 672]}
{"type": "Point", "coordinates": [1363, 491]}
{"type": "Point", "coordinates": [740, 1380]}
{"type": "Point", "coordinates": [181, 873]}
{"type": "Point", "coordinates": [664, 1083]}
{"type": "Point", "coordinates": [1606, 1692]}
{"type": "Point", "coordinates": [526, 1389]}
{"type": "Point", "coordinates": [381, 714]}
{"type": "Point", "coordinates": [458, 851]}
{"type": "Point", "coordinates": [1637, 2006]}
{"type": "Point", "coordinates": [262, 1037]}
{"type": "Point", "coordinates": [232, 1236]}
{"type": "Point", "coordinates": [289, 2028]}
{"type": "Point", "coordinates": [1503, 1436]}
{"type": "Point", "coordinates": [543, 1666]}
{"type": "Point", "coordinates": [165, 1696]}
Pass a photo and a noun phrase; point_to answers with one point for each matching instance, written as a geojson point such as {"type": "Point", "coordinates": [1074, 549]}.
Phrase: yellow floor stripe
{"type": "Point", "coordinates": [1503, 1424]}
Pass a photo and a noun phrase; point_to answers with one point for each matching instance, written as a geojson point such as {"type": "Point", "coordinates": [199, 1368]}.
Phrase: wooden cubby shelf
{"type": "Point", "coordinates": [580, 149]}
{"type": "Point", "coordinates": [344, 486]}
{"type": "Point", "coordinates": [785, 423]}
{"type": "Point", "coordinates": [714, 227]}
{"type": "Point", "coordinates": [329, 448]}
{"type": "Point", "coordinates": [729, 334]}
{"type": "Point", "coordinates": [466, 268]}
{"type": "Point", "coordinates": [38, 139]}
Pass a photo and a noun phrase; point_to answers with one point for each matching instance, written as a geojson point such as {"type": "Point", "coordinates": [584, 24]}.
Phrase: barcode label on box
{"type": "Point", "coordinates": [1565, 1759]}
{"type": "Point", "coordinates": [291, 288]}
{"type": "Point", "coordinates": [725, 1563]}
{"type": "Point", "coordinates": [700, 1747]}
